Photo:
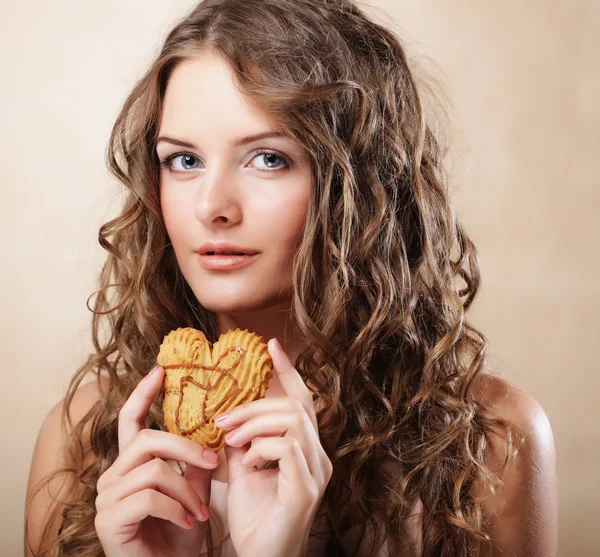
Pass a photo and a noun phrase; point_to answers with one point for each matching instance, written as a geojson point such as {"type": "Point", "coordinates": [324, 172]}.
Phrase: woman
{"type": "Point", "coordinates": [293, 133]}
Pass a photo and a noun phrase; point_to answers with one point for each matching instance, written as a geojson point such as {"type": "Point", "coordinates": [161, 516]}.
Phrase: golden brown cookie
{"type": "Point", "coordinates": [202, 382]}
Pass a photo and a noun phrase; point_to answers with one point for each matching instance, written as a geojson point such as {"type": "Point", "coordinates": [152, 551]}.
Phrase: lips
{"type": "Point", "coordinates": [224, 253]}
{"type": "Point", "coordinates": [226, 262]}
{"type": "Point", "coordinates": [224, 248]}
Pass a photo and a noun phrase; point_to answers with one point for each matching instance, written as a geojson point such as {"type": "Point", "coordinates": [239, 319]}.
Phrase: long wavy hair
{"type": "Point", "coordinates": [382, 279]}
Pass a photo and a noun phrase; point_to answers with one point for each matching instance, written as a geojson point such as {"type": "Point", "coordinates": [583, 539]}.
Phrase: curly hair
{"type": "Point", "coordinates": [382, 279]}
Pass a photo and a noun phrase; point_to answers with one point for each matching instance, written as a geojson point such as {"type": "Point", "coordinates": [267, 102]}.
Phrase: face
{"type": "Point", "coordinates": [222, 191]}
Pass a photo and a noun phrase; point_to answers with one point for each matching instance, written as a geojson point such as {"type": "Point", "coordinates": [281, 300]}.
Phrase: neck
{"type": "Point", "coordinates": [273, 322]}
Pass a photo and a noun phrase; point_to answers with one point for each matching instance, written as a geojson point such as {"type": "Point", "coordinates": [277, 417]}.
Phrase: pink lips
{"type": "Point", "coordinates": [225, 262]}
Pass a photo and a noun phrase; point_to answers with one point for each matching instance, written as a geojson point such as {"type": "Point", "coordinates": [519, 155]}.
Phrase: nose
{"type": "Point", "coordinates": [217, 201]}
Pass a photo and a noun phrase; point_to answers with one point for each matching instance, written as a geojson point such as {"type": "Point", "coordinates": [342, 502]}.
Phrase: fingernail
{"type": "Point", "coordinates": [205, 510]}
{"type": "Point", "coordinates": [221, 418]}
{"type": "Point", "coordinates": [231, 436]}
{"type": "Point", "coordinates": [210, 457]}
{"type": "Point", "coordinates": [149, 374]}
{"type": "Point", "coordinates": [154, 370]}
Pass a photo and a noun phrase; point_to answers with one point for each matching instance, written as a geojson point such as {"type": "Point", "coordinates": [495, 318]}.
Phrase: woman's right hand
{"type": "Point", "coordinates": [144, 507]}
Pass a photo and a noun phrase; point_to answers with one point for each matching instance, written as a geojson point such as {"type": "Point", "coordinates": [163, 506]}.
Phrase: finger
{"type": "Point", "coordinates": [235, 468]}
{"type": "Point", "coordinates": [200, 479]}
{"type": "Point", "coordinates": [289, 378]}
{"type": "Point", "coordinates": [245, 412]}
{"type": "Point", "coordinates": [294, 474]}
{"type": "Point", "coordinates": [122, 520]}
{"type": "Point", "coordinates": [150, 443]}
{"type": "Point", "coordinates": [132, 417]}
{"type": "Point", "coordinates": [158, 475]}
{"type": "Point", "coordinates": [267, 425]}
{"type": "Point", "coordinates": [297, 426]}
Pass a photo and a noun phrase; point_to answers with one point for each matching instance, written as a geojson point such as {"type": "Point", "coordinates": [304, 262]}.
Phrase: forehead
{"type": "Point", "coordinates": [201, 93]}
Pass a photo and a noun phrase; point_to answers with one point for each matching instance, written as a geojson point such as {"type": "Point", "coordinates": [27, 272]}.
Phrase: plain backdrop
{"type": "Point", "coordinates": [522, 85]}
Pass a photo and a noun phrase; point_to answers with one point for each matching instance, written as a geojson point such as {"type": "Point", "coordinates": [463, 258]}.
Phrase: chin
{"type": "Point", "coordinates": [251, 303]}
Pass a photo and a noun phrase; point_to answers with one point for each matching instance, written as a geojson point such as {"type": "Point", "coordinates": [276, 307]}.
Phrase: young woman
{"type": "Point", "coordinates": [291, 132]}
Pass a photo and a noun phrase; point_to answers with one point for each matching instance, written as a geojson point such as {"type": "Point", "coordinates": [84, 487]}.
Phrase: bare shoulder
{"type": "Point", "coordinates": [522, 513]}
{"type": "Point", "coordinates": [50, 455]}
{"type": "Point", "coordinates": [512, 403]}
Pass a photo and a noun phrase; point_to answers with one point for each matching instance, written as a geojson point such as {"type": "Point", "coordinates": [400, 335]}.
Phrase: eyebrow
{"type": "Point", "coordinates": [235, 143]}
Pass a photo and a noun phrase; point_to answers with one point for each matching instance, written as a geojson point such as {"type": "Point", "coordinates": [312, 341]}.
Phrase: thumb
{"type": "Point", "coordinates": [200, 479]}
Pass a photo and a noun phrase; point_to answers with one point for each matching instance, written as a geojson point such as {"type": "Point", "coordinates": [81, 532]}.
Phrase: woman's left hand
{"type": "Point", "coordinates": [270, 512]}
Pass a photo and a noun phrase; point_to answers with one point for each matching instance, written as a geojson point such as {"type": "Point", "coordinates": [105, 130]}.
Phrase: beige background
{"type": "Point", "coordinates": [523, 80]}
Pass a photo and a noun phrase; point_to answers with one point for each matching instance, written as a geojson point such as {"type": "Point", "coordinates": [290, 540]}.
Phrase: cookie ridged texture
{"type": "Point", "coordinates": [247, 381]}
{"type": "Point", "coordinates": [187, 346]}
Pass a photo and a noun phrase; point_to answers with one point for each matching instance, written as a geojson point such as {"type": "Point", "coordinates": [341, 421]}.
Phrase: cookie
{"type": "Point", "coordinates": [202, 382]}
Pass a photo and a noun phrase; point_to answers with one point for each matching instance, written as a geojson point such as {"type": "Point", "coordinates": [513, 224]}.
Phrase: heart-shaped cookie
{"type": "Point", "coordinates": [202, 382]}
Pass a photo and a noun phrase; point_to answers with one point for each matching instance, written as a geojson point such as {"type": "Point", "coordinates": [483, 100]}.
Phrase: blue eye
{"type": "Point", "coordinates": [272, 161]}
{"type": "Point", "coordinates": [268, 157]}
{"type": "Point", "coordinates": [187, 158]}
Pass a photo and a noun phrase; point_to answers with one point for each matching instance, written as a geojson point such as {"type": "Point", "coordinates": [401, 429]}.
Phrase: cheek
{"type": "Point", "coordinates": [287, 217]}
{"type": "Point", "coordinates": [173, 217]}
{"type": "Point", "coordinates": [298, 214]}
